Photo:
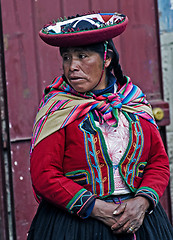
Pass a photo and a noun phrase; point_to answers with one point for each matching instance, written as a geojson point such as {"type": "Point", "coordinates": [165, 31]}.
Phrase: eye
{"type": "Point", "coordinates": [82, 55]}
{"type": "Point", "coordinates": [66, 57]}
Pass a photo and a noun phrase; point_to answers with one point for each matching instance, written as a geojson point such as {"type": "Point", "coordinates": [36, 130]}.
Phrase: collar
{"type": "Point", "coordinates": [111, 87]}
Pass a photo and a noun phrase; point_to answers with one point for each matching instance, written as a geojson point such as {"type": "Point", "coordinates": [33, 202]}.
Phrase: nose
{"type": "Point", "coordinates": [74, 64]}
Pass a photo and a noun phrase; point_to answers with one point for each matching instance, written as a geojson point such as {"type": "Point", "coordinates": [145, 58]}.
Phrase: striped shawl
{"type": "Point", "coordinates": [61, 105]}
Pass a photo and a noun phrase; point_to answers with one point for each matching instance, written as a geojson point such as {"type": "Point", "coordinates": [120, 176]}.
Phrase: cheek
{"type": "Point", "coordinates": [65, 70]}
{"type": "Point", "coordinates": [96, 70]}
{"type": "Point", "coordinates": [94, 67]}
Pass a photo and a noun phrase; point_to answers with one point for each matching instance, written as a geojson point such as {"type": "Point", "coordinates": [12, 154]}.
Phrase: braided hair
{"type": "Point", "coordinates": [115, 65]}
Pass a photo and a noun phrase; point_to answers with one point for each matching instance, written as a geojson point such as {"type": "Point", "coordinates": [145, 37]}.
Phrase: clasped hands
{"type": "Point", "coordinates": [121, 218]}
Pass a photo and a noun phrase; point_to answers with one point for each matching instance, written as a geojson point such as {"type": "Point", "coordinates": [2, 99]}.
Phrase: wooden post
{"type": "Point", "coordinates": [7, 220]}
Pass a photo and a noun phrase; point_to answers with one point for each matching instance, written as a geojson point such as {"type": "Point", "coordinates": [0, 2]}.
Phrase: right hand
{"type": "Point", "coordinates": [103, 211]}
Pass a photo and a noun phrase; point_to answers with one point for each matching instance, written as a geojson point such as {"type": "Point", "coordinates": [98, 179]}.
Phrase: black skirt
{"type": "Point", "coordinates": [52, 223]}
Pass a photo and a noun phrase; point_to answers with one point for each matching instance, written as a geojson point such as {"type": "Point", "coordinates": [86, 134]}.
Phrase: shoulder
{"type": "Point", "coordinates": [148, 126]}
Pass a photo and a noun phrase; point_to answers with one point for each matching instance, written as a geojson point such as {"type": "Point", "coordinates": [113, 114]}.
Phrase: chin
{"type": "Point", "coordinates": [80, 90]}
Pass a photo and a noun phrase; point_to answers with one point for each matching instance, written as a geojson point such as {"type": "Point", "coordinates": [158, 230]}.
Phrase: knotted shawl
{"type": "Point", "coordinates": [61, 105]}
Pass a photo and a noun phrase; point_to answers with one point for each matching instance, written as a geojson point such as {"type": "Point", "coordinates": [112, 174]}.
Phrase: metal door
{"type": "Point", "coordinates": [31, 65]}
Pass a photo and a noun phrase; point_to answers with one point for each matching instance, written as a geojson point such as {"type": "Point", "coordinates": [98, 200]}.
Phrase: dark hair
{"type": "Point", "coordinates": [115, 65]}
{"type": "Point", "coordinates": [112, 52]}
{"type": "Point", "coordinates": [98, 47]}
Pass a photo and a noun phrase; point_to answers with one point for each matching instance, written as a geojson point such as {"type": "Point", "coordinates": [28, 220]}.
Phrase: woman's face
{"type": "Point", "coordinates": [83, 69]}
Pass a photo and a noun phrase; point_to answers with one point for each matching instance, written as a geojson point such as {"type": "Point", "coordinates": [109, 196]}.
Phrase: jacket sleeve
{"type": "Point", "coordinates": [49, 182]}
{"type": "Point", "coordinates": [156, 173]}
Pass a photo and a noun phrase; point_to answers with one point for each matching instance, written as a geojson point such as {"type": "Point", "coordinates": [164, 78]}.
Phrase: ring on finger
{"type": "Point", "coordinates": [131, 229]}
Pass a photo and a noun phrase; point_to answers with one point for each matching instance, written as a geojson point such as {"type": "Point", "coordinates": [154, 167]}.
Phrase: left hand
{"type": "Point", "coordinates": [132, 213]}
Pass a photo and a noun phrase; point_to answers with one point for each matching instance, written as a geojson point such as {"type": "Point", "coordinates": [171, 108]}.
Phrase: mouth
{"type": "Point", "coordinates": [71, 79]}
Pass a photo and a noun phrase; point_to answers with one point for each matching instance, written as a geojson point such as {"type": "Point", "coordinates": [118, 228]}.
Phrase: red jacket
{"type": "Point", "coordinates": [71, 167]}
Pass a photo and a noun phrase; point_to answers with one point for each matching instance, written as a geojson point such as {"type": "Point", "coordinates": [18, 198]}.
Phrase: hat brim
{"type": "Point", "coordinates": [84, 37]}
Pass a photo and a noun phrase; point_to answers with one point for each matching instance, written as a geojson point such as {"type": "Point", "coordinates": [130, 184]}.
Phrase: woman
{"type": "Point", "coordinates": [98, 164]}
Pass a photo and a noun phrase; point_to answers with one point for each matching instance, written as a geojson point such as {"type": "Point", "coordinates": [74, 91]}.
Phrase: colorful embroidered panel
{"type": "Point", "coordinates": [128, 164]}
{"type": "Point", "coordinates": [81, 177]}
{"type": "Point", "coordinates": [97, 157]}
{"type": "Point", "coordinates": [149, 193]}
{"type": "Point", "coordinates": [78, 203]}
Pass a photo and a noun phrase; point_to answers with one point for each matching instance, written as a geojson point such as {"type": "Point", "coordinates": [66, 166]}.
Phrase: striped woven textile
{"type": "Point", "coordinates": [61, 105]}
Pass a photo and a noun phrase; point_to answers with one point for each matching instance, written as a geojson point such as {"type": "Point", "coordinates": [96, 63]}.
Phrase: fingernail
{"type": "Point", "coordinates": [115, 212]}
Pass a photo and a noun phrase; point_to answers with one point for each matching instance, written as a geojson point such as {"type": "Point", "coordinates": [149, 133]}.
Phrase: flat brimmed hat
{"type": "Point", "coordinates": [83, 30]}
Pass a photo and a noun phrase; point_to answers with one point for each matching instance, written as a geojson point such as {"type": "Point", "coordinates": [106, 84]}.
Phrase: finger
{"type": "Point", "coordinates": [124, 228]}
{"type": "Point", "coordinates": [127, 227]}
{"type": "Point", "coordinates": [119, 225]}
{"type": "Point", "coordinates": [120, 209]}
{"type": "Point", "coordinates": [133, 227]}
